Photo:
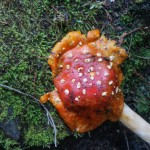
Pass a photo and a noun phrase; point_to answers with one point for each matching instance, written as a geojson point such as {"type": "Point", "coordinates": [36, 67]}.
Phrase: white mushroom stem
{"type": "Point", "coordinates": [135, 123]}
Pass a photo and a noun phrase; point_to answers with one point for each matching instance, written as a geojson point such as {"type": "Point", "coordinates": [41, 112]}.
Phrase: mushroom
{"type": "Point", "coordinates": [87, 76]}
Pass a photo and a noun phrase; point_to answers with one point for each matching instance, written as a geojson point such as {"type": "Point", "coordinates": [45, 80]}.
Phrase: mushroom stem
{"type": "Point", "coordinates": [135, 123]}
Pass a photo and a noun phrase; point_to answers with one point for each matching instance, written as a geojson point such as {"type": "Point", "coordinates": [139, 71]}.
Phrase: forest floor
{"type": "Point", "coordinates": [28, 32]}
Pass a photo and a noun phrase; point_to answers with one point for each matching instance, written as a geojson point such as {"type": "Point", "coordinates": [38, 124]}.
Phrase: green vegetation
{"type": "Point", "coordinates": [29, 30]}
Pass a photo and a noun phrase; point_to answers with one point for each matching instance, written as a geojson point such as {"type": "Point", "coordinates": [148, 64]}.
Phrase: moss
{"type": "Point", "coordinates": [29, 30]}
{"type": "Point", "coordinates": [7, 144]}
{"type": "Point", "coordinates": [126, 19]}
{"type": "Point", "coordinates": [139, 1]}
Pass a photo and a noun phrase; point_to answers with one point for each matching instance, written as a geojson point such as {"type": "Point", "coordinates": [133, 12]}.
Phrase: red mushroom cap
{"type": "Point", "coordinates": [86, 79]}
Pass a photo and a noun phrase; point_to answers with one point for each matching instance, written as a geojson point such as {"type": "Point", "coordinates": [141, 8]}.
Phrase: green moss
{"type": "Point", "coordinates": [38, 137]}
{"type": "Point", "coordinates": [139, 1]}
{"type": "Point", "coordinates": [126, 19]}
{"type": "Point", "coordinates": [7, 143]}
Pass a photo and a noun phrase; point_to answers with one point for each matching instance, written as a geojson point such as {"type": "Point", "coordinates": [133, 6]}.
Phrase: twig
{"type": "Point", "coordinates": [4, 22]}
{"type": "Point", "coordinates": [35, 77]}
{"type": "Point", "coordinates": [49, 117]}
{"type": "Point", "coordinates": [121, 39]}
{"type": "Point", "coordinates": [141, 57]}
{"type": "Point", "coordinates": [108, 15]}
{"type": "Point", "coordinates": [141, 77]}
{"type": "Point", "coordinates": [130, 44]}
{"type": "Point", "coordinates": [50, 121]}
{"type": "Point", "coordinates": [147, 146]}
{"type": "Point", "coordinates": [56, 10]}
{"type": "Point", "coordinates": [128, 148]}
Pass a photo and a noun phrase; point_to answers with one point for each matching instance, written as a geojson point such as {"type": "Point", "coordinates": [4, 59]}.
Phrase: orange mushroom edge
{"type": "Point", "coordinates": [87, 76]}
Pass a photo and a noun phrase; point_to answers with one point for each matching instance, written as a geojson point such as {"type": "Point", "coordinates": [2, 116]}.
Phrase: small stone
{"type": "Point", "coordinates": [10, 126]}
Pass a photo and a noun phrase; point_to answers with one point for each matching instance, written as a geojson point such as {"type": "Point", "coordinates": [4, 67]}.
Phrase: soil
{"type": "Point", "coordinates": [109, 136]}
